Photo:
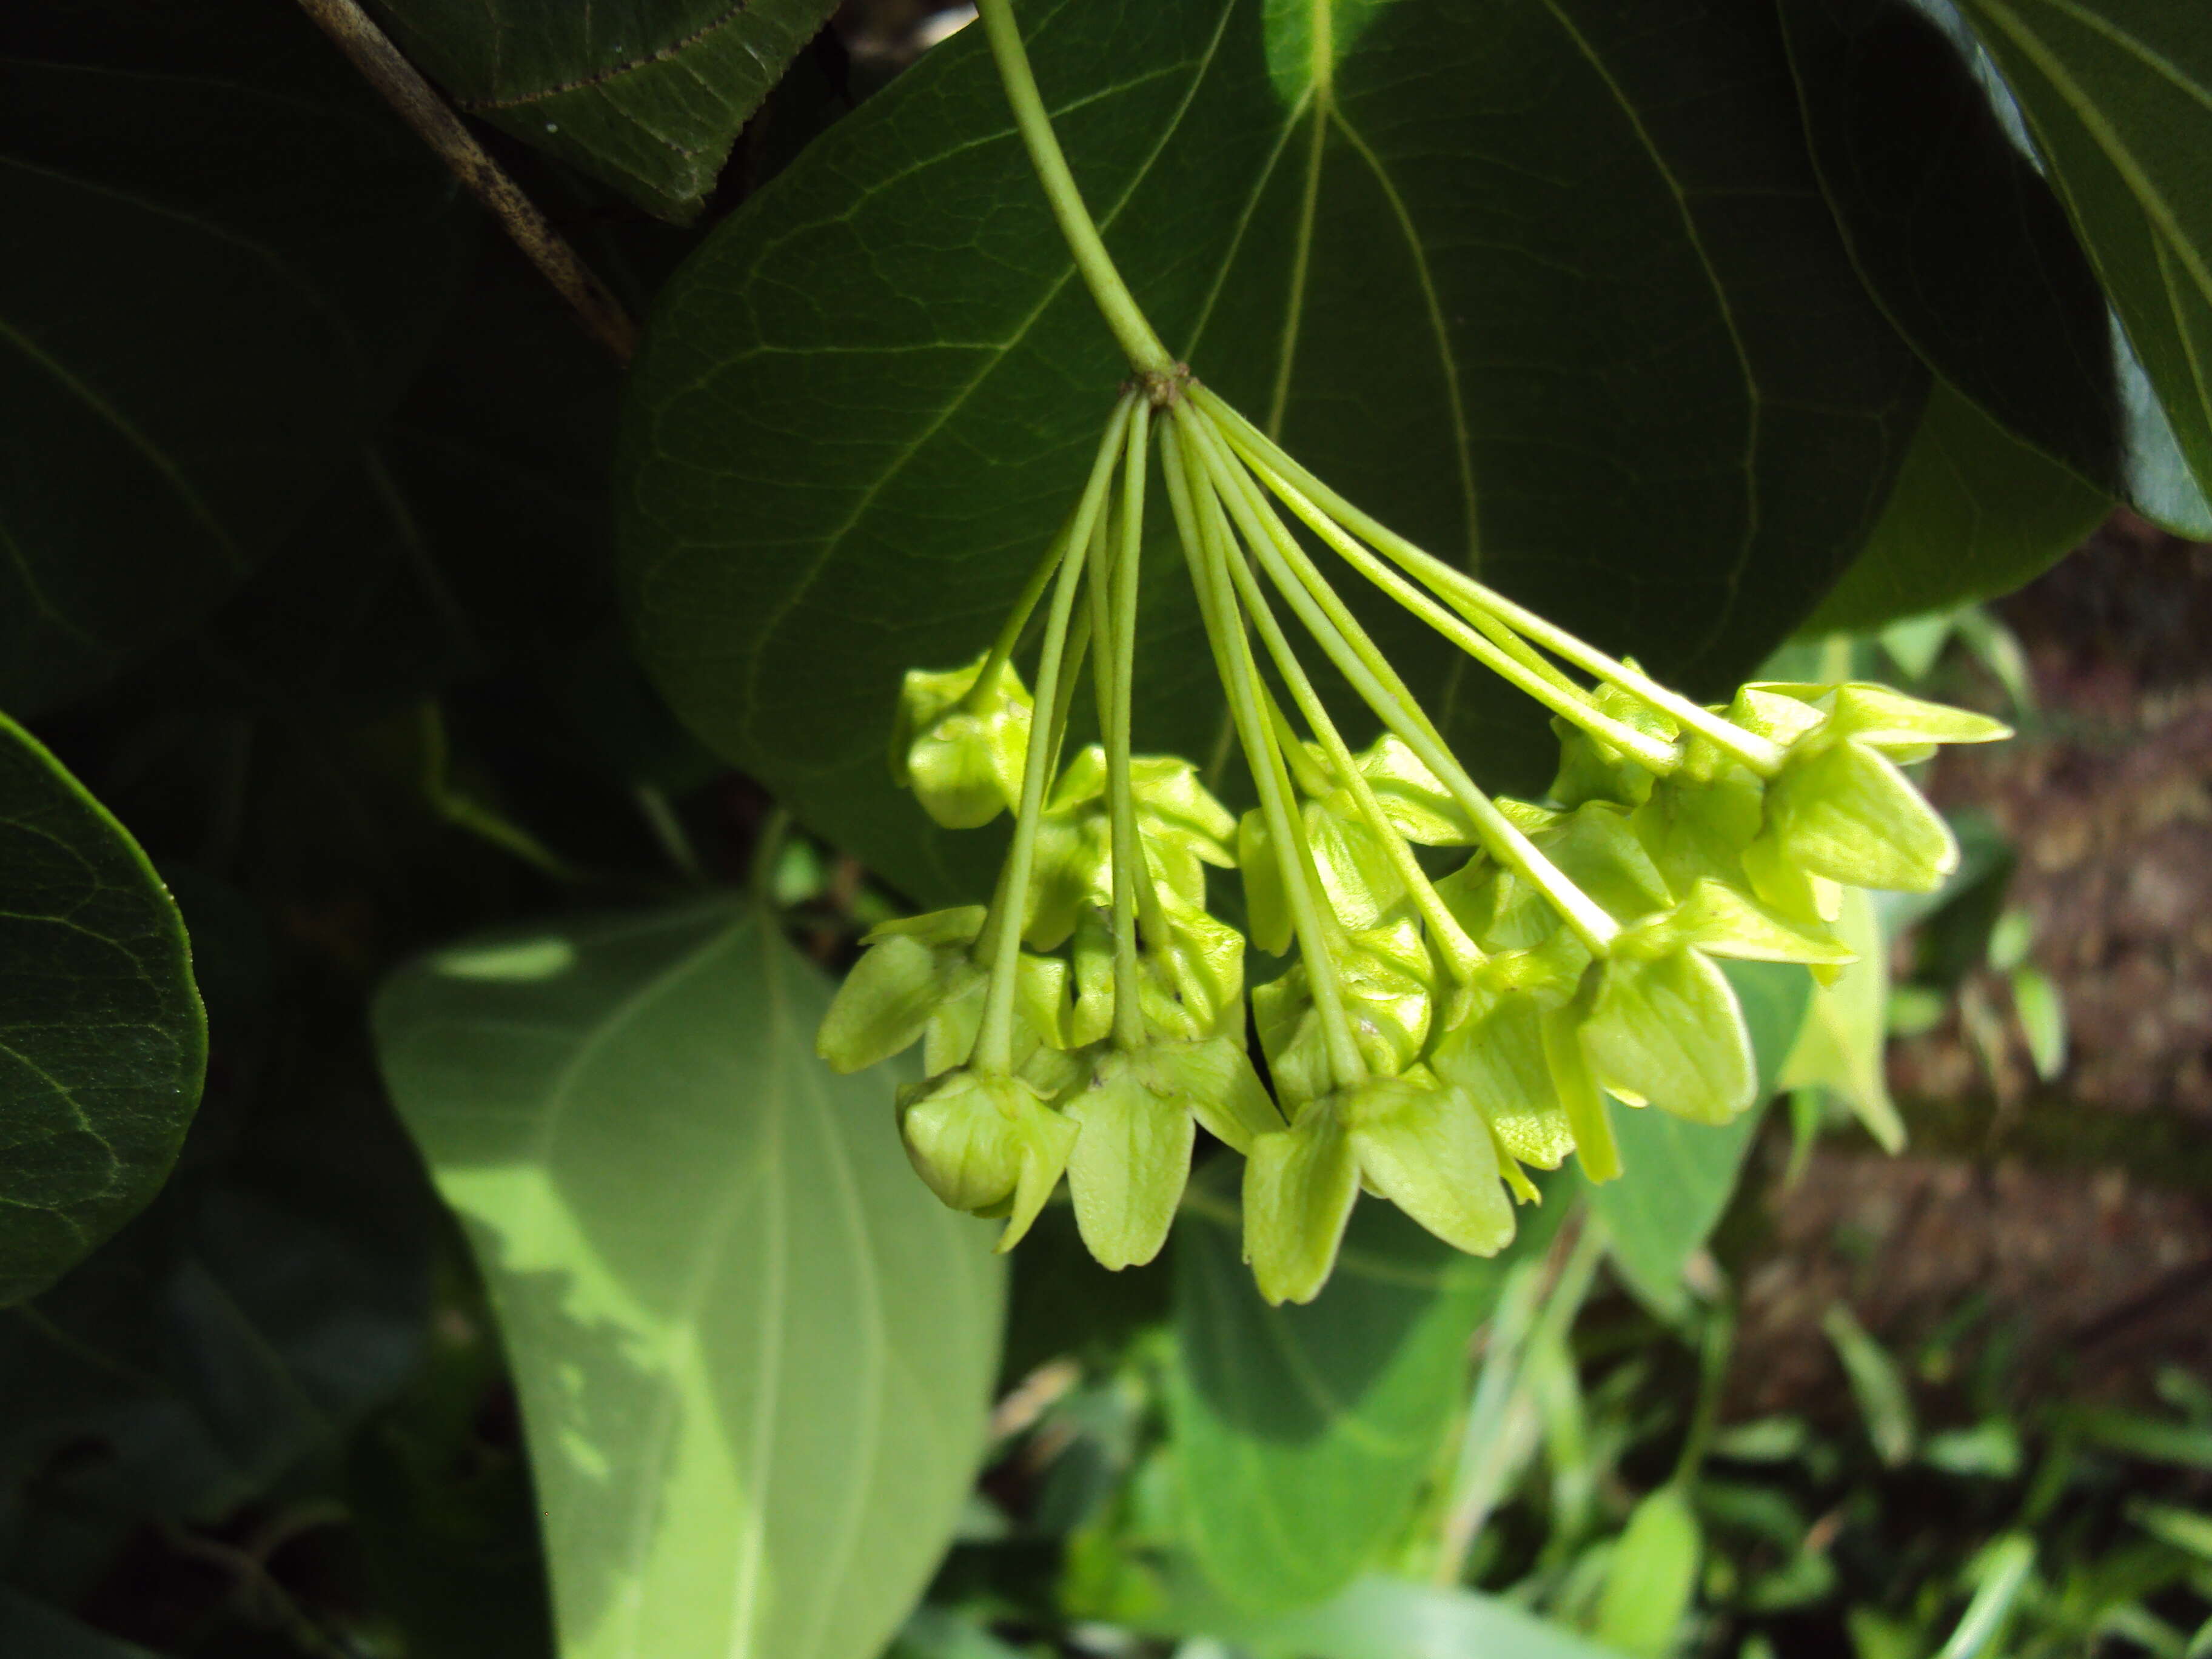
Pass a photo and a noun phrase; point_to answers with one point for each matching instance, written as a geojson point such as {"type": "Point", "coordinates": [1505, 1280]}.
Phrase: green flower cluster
{"type": "Point", "coordinates": [1430, 1038]}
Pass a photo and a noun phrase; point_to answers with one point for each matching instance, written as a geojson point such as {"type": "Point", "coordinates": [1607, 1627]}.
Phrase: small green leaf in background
{"type": "Point", "coordinates": [866, 403]}
{"type": "Point", "coordinates": [1845, 1038]}
{"type": "Point", "coordinates": [1379, 1618]}
{"type": "Point", "coordinates": [2003, 1570]}
{"type": "Point", "coordinates": [1681, 1175]}
{"type": "Point", "coordinates": [103, 1042]}
{"type": "Point", "coordinates": [648, 96]}
{"type": "Point", "coordinates": [1885, 1402]}
{"type": "Point", "coordinates": [2042, 1014]}
{"type": "Point", "coordinates": [1652, 1576]}
{"type": "Point", "coordinates": [1302, 1434]}
{"type": "Point", "coordinates": [754, 1354]}
{"type": "Point", "coordinates": [2118, 95]}
{"type": "Point", "coordinates": [239, 258]}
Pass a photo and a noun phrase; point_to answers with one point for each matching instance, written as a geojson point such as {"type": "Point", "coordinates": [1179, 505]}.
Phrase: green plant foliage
{"type": "Point", "coordinates": [1845, 1035]}
{"type": "Point", "coordinates": [866, 403]}
{"type": "Point", "coordinates": [1301, 1433]}
{"type": "Point", "coordinates": [2118, 96]}
{"type": "Point", "coordinates": [1681, 1175]}
{"type": "Point", "coordinates": [39, 1632]}
{"type": "Point", "coordinates": [753, 1353]}
{"type": "Point", "coordinates": [229, 1337]}
{"type": "Point", "coordinates": [1652, 1576]}
{"type": "Point", "coordinates": [1976, 513]}
{"type": "Point", "coordinates": [1379, 1618]}
{"type": "Point", "coordinates": [103, 1041]}
{"type": "Point", "coordinates": [240, 258]}
{"type": "Point", "coordinates": [1958, 236]}
{"type": "Point", "coordinates": [648, 96]}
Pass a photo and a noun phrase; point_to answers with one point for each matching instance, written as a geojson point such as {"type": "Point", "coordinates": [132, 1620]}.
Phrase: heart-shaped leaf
{"type": "Point", "coordinates": [230, 258]}
{"type": "Point", "coordinates": [1505, 273]}
{"type": "Point", "coordinates": [1302, 1433]}
{"type": "Point", "coordinates": [102, 1039]}
{"type": "Point", "coordinates": [754, 1355]}
{"type": "Point", "coordinates": [648, 96]}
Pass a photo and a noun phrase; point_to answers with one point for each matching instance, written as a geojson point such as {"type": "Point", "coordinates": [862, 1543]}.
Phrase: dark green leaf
{"type": "Point", "coordinates": [754, 1353]}
{"type": "Point", "coordinates": [444, 1510]}
{"type": "Point", "coordinates": [471, 533]}
{"type": "Point", "coordinates": [1976, 513]}
{"type": "Point", "coordinates": [1680, 1176]}
{"type": "Point", "coordinates": [103, 1041]}
{"type": "Point", "coordinates": [229, 256]}
{"type": "Point", "coordinates": [648, 96]}
{"type": "Point", "coordinates": [2118, 96]}
{"type": "Point", "coordinates": [1955, 231]}
{"type": "Point", "coordinates": [31, 1630]}
{"type": "Point", "coordinates": [1571, 308]}
{"type": "Point", "coordinates": [1302, 1433]}
{"type": "Point", "coordinates": [272, 1294]}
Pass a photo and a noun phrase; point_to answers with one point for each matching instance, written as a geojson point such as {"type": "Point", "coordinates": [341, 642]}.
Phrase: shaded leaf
{"type": "Point", "coordinates": [1956, 233]}
{"type": "Point", "coordinates": [1680, 1176]}
{"type": "Point", "coordinates": [238, 1328]}
{"type": "Point", "coordinates": [2118, 96]}
{"type": "Point", "coordinates": [37, 1631]}
{"type": "Point", "coordinates": [867, 401]}
{"type": "Point", "coordinates": [1302, 1434]}
{"type": "Point", "coordinates": [754, 1354]}
{"type": "Point", "coordinates": [1976, 513]}
{"type": "Point", "coordinates": [103, 1041]}
{"type": "Point", "coordinates": [648, 96]}
{"type": "Point", "coordinates": [229, 258]}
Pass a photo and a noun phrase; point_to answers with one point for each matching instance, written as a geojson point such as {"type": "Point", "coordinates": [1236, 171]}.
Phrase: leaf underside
{"type": "Point", "coordinates": [754, 1353]}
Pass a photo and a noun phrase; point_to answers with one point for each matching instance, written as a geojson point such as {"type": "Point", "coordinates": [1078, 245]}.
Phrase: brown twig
{"type": "Point", "coordinates": [418, 102]}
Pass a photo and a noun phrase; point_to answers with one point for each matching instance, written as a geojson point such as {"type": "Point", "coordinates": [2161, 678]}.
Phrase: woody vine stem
{"type": "Point", "coordinates": [1430, 1035]}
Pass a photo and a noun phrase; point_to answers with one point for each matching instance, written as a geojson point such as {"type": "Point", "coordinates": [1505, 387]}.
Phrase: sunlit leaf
{"type": "Point", "coordinates": [754, 1353]}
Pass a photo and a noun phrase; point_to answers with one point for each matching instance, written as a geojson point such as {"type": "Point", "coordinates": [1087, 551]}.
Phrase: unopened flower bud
{"type": "Point", "coordinates": [984, 1142]}
{"type": "Point", "coordinates": [1300, 1184]}
{"type": "Point", "coordinates": [1840, 809]}
{"type": "Point", "coordinates": [959, 748]}
{"type": "Point", "coordinates": [1667, 1030]}
{"type": "Point", "coordinates": [911, 969]}
{"type": "Point", "coordinates": [1421, 1145]}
